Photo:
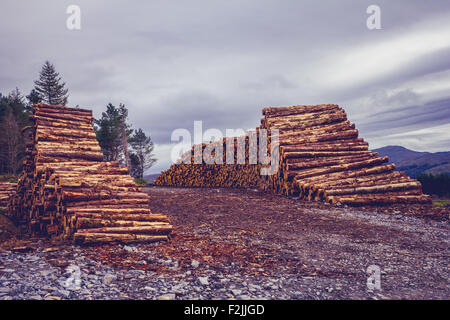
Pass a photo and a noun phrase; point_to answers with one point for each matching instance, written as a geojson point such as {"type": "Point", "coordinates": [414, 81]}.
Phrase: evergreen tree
{"type": "Point", "coordinates": [33, 98]}
{"type": "Point", "coordinates": [435, 184]}
{"type": "Point", "coordinates": [16, 104]}
{"type": "Point", "coordinates": [13, 116]}
{"type": "Point", "coordinates": [16, 97]}
{"type": "Point", "coordinates": [134, 166]}
{"type": "Point", "coordinates": [49, 87]}
{"type": "Point", "coordinates": [12, 144]}
{"type": "Point", "coordinates": [141, 156]}
{"type": "Point", "coordinates": [112, 130]}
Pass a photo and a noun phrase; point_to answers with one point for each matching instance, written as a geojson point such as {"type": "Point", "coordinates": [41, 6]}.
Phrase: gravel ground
{"type": "Point", "coordinates": [244, 244]}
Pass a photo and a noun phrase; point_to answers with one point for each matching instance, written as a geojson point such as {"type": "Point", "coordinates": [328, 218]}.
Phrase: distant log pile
{"type": "Point", "coordinates": [66, 189]}
{"type": "Point", "coordinates": [7, 189]}
{"type": "Point", "coordinates": [321, 158]}
{"type": "Point", "coordinates": [203, 171]}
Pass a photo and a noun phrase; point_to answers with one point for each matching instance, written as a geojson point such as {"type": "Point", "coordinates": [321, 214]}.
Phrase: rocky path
{"type": "Point", "coordinates": [243, 244]}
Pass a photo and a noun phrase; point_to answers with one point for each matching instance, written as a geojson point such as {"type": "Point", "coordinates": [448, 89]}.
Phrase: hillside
{"type": "Point", "coordinates": [151, 177]}
{"type": "Point", "coordinates": [414, 162]}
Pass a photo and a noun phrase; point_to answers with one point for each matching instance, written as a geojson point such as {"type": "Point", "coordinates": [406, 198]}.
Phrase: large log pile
{"type": "Point", "coordinates": [321, 158]}
{"type": "Point", "coordinates": [66, 189]}
{"type": "Point", "coordinates": [7, 189]}
{"type": "Point", "coordinates": [203, 171]}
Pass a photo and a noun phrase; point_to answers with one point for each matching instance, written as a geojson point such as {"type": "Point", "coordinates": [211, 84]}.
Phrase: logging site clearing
{"type": "Point", "coordinates": [247, 244]}
{"type": "Point", "coordinates": [330, 213]}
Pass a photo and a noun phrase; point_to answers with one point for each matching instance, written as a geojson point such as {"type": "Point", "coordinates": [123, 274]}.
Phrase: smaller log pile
{"type": "Point", "coordinates": [205, 172]}
{"type": "Point", "coordinates": [7, 189]}
{"type": "Point", "coordinates": [322, 158]}
{"type": "Point", "coordinates": [66, 189]}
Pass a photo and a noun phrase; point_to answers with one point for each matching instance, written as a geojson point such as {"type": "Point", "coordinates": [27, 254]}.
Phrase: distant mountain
{"type": "Point", "coordinates": [151, 177]}
{"type": "Point", "coordinates": [414, 163]}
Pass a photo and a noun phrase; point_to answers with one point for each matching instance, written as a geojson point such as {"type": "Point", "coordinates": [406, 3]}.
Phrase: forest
{"type": "Point", "coordinates": [435, 184]}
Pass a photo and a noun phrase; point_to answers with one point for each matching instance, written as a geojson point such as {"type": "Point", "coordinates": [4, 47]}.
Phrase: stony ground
{"type": "Point", "coordinates": [243, 244]}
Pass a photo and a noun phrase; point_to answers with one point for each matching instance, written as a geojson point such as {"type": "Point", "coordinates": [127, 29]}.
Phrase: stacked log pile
{"type": "Point", "coordinates": [203, 171]}
{"type": "Point", "coordinates": [66, 189]}
{"type": "Point", "coordinates": [322, 158]}
{"type": "Point", "coordinates": [7, 189]}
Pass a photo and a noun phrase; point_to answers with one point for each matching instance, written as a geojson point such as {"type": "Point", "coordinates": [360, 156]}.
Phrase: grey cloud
{"type": "Point", "coordinates": [273, 82]}
{"type": "Point", "coordinates": [409, 118]}
{"type": "Point", "coordinates": [181, 110]}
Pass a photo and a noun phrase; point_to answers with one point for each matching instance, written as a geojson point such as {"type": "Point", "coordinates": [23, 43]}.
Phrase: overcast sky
{"type": "Point", "coordinates": [173, 62]}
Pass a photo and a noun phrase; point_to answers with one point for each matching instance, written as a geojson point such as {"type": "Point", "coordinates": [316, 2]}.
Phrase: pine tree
{"type": "Point", "coordinates": [13, 115]}
{"type": "Point", "coordinates": [16, 97]}
{"type": "Point", "coordinates": [32, 99]}
{"type": "Point", "coordinates": [49, 87]}
{"type": "Point", "coordinates": [112, 130]}
{"type": "Point", "coordinates": [12, 146]}
{"type": "Point", "coordinates": [142, 157]}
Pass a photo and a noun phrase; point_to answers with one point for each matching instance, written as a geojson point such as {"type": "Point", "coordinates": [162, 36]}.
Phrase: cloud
{"type": "Point", "coordinates": [431, 139]}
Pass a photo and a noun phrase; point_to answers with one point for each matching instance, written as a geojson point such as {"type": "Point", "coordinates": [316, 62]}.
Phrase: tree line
{"type": "Point", "coordinates": [435, 184]}
{"type": "Point", "coordinates": [118, 140]}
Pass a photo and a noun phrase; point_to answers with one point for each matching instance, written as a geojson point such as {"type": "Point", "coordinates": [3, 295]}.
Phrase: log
{"type": "Point", "coordinates": [121, 216]}
{"type": "Point", "coordinates": [381, 199]}
{"type": "Point", "coordinates": [274, 121]}
{"type": "Point", "coordinates": [108, 211]}
{"type": "Point", "coordinates": [102, 195]}
{"type": "Point", "coordinates": [315, 154]}
{"type": "Point", "coordinates": [40, 106]}
{"type": "Point", "coordinates": [94, 156]}
{"type": "Point", "coordinates": [153, 229]}
{"type": "Point", "coordinates": [350, 166]}
{"type": "Point", "coordinates": [295, 169]}
{"type": "Point", "coordinates": [349, 134]}
{"type": "Point", "coordinates": [336, 176]}
{"type": "Point", "coordinates": [52, 115]}
{"type": "Point", "coordinates": [106, 203]}
{"type": "Point", "coordinates": [83, 223]}
{"type": "Point", "coordinates": [284, 111]}
{"type": "Point", "coordinates": [100, 238]}
{"type": "Point", "coordinates": [375, 189]}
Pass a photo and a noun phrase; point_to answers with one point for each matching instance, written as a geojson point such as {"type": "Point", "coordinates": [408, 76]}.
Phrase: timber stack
{"type": "Point", "coordinates": [320, 158]}
{"type": "Point", "coordinates": [67, 190]}
{"type": "Point", "coordinates": [199, 167]}
{"type": "Point", "coordinates": [7, 189]}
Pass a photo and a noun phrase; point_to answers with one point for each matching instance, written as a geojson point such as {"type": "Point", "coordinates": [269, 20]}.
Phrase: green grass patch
{"type": "Point", "coordinates": [141, 182]}
{"type": "Point", "coordinates": [442, 203]}
{"type": "Point", "coordinates": [9, 178]}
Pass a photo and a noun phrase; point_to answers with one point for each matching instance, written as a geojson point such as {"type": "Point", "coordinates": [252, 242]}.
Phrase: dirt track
{"type": "Point", "coordinates": [244, 244]}
{"type": "Point", "coordinates": [310, 243]}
